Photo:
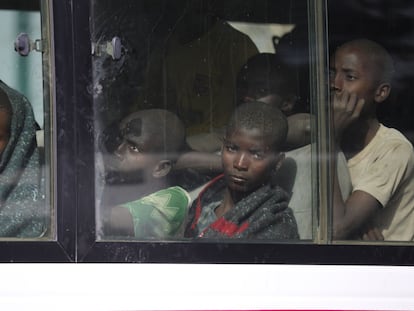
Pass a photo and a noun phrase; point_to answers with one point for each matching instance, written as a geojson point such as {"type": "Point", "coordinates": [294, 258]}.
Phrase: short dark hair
{"type": "Point", "coordinates": [263, 116]}
{"type": "Point", "coordinates": [166, 130]}
{"type": "Point", "coordinates": [380, 56]}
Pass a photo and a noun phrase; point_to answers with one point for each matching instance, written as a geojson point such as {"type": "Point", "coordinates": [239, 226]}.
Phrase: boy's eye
{"type": "Point", "coordinates": [257, 154]}
{"type": "Point", "coordinates": [231, 148]}
{"type": "Point", "coordinates": [133, 148]}
{"type": "Point", "coordinates": [351, 77]}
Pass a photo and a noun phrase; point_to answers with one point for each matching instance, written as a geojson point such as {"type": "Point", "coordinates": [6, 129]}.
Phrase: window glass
{"type": "Point", "coordinates": [202, 120]}
{"type": "Point", "coordinates": [24, 172]}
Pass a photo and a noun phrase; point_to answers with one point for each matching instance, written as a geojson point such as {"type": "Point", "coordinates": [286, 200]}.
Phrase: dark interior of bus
{"type": "Point", "coordinates": [141, 23]}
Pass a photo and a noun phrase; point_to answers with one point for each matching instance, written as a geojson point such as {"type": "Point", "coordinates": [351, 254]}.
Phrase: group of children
{"type": "Point", "coordinates": [153, 191]}
{"type": "Point", "coordinates": [152, 183]}
{"type": "Point", "coordinates": [241, 202]}
{"type": "Point", "coordinates": [244, 200]}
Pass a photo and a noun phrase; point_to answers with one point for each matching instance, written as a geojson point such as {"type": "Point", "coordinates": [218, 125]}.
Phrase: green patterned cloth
{"type": "Point", "coordinates": [22, 208]}
{"type": "Point", "coordinates": [161, 214]}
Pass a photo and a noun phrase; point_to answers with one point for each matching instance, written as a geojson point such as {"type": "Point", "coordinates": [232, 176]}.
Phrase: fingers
{"type": "Point", "coordinates": [368, 236]}
{"type": "Point", "coordinates": [373, 234]}
{"type": "Point", "coordinates": [359, 106]}
{"type": "Point", "coordinates": [377, 234]}
{"type": "Point", "coordinates": [346, 109]}
{"type": "Point", "coordinates": [349, 104]}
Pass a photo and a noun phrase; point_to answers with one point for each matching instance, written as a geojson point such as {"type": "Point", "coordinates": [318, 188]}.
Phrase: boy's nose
{"type": "Point", "coordinates": [241, 162]}
{"type": "Point", "coordinates": [335, 84]}
{"type": "Point", "coordinates": [119, 152]}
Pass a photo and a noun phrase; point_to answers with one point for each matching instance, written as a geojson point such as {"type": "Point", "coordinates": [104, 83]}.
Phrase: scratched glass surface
{"type": "Point", "coordinates": [167, 77]}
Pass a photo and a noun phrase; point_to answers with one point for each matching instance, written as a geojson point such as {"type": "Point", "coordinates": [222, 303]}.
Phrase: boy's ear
{"type": "Point", "coordinates": [279, 161]}
{"type": "Point", "coordinates": [162, 168]}
{"type": "Point", "coordinates": [382, 92]}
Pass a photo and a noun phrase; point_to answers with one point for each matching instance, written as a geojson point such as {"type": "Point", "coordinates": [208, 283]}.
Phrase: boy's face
{"type": "Point", "coordinates": [4, 129]}
{"type": "Point", "coordinates": [248, 159]}
{"type": "Point", "coordinates": [353, 71]}
{"type": "Point", "coordinates": [134, 159]}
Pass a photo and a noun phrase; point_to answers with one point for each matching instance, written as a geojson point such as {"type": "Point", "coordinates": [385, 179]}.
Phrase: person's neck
{"type": "Point", "coordinates": [154, 185]}
{"type": "Point", "coordinates": [231, 198]}
{"type": "Point", "coordinates": [359, 135]}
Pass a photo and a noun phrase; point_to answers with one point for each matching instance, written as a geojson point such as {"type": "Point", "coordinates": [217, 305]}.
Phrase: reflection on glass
{"type": "Point", "coordinates": [162, 111]}
{"type": "Point", "coordinates": [24, 212]}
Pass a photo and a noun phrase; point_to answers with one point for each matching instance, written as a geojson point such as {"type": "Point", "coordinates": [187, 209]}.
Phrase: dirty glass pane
{"type": "Point", "coordinates": [24, 124]}
{"type": "Point", "coordinates": [377, 144]}
{"type": "Point", "coordinates": [167, 77]}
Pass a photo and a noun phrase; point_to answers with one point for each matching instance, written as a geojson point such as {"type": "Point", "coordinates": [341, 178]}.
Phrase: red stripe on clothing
{"type": "Point", "coordinates": [227, 227]}
{"type": "Point", "coordinates": [198, 206]}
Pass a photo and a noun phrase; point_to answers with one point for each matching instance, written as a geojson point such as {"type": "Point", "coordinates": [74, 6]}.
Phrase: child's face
{"type": "Point", "coordinates": [353, 71]}
{"type": "Point", "coordinates": [4, 129]}
{"type": "Point", "coordinates": [134, 156]}
{"type": "Point", "coordinates": [248, 159]}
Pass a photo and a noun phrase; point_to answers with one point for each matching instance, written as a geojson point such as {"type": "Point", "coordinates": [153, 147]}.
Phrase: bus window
{"type": "Point", "coordinates": [172, 82]}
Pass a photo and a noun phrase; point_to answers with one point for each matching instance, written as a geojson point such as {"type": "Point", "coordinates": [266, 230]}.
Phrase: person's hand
{"type": "Point", "coordinates": [372, 234]}
{"type": "Point", "coordinates": [346, 109]}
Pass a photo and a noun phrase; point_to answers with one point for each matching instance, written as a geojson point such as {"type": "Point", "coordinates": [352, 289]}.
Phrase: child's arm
{"type": "Point", "coordinates": [351, 215]}
{"type": "Point", "coordinates": [299, 135]}
{"type": "Point", "coordinates": [200, 161]}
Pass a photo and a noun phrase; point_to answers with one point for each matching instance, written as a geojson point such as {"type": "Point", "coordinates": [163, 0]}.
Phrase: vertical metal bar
{"type": "Point", "coordinates": [48, 72]}
{"type": "Point", "coordinates": [319, 95]}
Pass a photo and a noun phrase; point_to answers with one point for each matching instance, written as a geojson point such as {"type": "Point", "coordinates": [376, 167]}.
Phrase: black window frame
{"type": "Point", "coordinates": [75, 183]}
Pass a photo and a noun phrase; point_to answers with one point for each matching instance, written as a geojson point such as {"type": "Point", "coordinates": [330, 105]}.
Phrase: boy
{"type": "Point", "coordinates": [380, 159]}
{"type": "Point", "coordinates": [138, 174]}
{"type": "Point", "coordinates": [242, 203]}
{"type": "Point", "coordinates": [266, 78]}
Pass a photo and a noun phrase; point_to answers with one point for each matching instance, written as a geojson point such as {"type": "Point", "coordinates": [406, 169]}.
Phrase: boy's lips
{"type": "Point", "coordinates": [237, 179]}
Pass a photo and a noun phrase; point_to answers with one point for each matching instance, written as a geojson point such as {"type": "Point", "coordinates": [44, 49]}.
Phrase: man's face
{"type": "Point", "coordinates": [134, 159]}
{"type": "Point", "coordinates": [353, 71]}
{"type": "Point", "coordinates": [248, 159]}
